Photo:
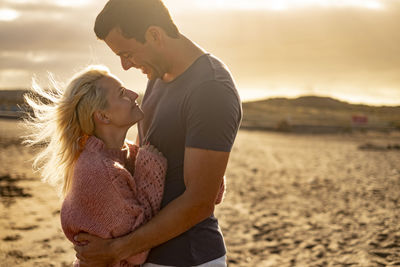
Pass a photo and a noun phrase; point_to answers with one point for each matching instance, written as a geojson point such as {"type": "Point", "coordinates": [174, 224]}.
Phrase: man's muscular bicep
{"type": "Point", "coordinates": [203, 173]}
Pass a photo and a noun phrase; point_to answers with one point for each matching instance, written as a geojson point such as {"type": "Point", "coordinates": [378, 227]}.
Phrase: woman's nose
{"type": "Point", "coordinates": [133, 95]}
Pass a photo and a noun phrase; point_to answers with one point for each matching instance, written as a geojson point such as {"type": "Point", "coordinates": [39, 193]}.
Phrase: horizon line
{"type": "Point", "coordinates": [261, 98]}
{"type": "Point", "coordinates": [321, 96]}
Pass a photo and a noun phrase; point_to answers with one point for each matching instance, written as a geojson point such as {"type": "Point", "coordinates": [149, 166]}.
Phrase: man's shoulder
{"type": "Point", "coordinates": [211, 75]}
{"type": "Point", "coordinates": [211, 68]}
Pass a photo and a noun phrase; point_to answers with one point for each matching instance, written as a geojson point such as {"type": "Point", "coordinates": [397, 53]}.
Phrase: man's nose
{"type": "Point", "coordinates": [126, 64]}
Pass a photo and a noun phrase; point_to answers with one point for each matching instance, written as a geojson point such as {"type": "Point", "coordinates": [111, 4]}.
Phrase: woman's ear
{"type": "Point", "coordinates": [101, 117]}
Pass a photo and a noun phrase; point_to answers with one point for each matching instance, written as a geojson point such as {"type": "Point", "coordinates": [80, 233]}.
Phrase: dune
{"type": "Point", "coordinates": [314, 114]}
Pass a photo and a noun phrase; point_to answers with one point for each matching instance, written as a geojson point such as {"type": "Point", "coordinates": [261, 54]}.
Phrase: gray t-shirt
{"type": "Point", "coordinates": [201, 108]}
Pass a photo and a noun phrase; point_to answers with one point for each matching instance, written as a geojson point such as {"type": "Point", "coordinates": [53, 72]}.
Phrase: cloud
{"type": "Point", "coordinates": [43, 3]}
{"type": "Point", "coordinates": [58, 35]}
{"type": "Point", "coordinates": [47, 36]}
{"type": "Point", "coordinates": [330, 48]}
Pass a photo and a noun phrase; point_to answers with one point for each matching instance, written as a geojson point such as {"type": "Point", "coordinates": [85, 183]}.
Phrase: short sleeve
{"type": "Point", "coordinates": [213, 117]}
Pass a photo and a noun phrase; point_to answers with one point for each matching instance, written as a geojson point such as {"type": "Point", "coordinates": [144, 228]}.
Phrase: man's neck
{"type": "Point", "coordinates": [181, 55]}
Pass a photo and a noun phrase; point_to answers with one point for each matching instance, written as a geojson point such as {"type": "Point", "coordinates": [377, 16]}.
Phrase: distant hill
{"type": "Point", "coordinates": [12, 97]}
{"type": "Point", "coordinates": [318, 114]}
{"type": "Point", "coordinates": [10, 103]}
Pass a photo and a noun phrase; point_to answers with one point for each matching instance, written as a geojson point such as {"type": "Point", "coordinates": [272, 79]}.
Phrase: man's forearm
{"type": "Point", "coordinates": [177, 217]}
{"type": "Point", "coordinates": [203, 175]}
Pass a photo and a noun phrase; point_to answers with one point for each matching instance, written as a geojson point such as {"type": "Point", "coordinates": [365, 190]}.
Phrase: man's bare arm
{"type": "Point", "coordinates": [203, 174]}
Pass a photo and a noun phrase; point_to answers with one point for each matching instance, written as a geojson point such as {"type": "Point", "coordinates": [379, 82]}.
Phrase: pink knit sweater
{"type": "Point", "coordinates": [106, 200]}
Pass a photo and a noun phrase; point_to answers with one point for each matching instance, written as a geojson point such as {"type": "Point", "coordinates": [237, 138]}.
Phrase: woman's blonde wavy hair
{"type": "Point", "coordinates": [60, 119]}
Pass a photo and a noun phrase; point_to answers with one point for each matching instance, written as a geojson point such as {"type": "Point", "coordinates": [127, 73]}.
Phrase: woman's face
{"type": "Point", "coordinates": [122, 109]}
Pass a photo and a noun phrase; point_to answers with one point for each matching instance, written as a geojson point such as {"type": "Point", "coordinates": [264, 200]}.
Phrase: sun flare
{"type": "Point", "coordinates": [8, 14]}
{"type": "Point", "coordinates": [63, 3]}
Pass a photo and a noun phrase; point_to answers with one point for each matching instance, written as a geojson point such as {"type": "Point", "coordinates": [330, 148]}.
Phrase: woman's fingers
{"type": "Point", "coordinates": [152, 149]}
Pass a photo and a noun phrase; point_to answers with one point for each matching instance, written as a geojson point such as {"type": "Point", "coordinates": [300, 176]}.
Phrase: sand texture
{"type": "Point", "coordinates": [292, 200]}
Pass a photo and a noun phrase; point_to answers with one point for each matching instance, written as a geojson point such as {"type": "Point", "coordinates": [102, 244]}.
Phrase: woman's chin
{"type": "Point", "coordinates": [137, 119]}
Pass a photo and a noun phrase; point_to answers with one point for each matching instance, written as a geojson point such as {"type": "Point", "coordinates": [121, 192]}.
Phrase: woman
{"type": "Point", "coordinates": [110, 186]}
{"type": "Point", "coordinates": [86, 154]}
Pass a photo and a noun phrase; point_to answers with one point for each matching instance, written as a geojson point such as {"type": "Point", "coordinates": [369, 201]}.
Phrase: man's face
{"type": "Point", "coordinates": [135, 54]}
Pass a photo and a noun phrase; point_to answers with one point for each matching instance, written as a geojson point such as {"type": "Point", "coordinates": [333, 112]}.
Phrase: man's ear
{"type": "Point", "coordinates": [154, 34]}
{"type": "Point", "coordinates": [101, 117]}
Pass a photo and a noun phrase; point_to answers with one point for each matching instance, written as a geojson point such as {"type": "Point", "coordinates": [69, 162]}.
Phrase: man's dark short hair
{"type": "Point", "coordinates": [134, 17]}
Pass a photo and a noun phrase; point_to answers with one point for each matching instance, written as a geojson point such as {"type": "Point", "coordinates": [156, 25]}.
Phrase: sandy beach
{"type": "Point", "coordinates": [291, 200]}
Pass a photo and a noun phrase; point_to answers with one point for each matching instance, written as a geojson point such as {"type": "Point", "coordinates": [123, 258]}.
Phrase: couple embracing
{"type": "Point", "coordinates": [150, 202]}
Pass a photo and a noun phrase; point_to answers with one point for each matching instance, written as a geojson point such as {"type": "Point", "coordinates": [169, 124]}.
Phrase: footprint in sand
{"type": "Point", "coordinates": [9, 191]}
{"type": "Point", "coordinates": [12, 238]}
{"type": "Point", "coordinates": [45, 243]}
{"type": "Point", "coordinates": [18, 254]}
{"type": "Point", "coordinates": [59, 250]}
{"type": "Point", "coordinates": [25, 228]}
{"type": "Point", "coordinates": [44, 264]}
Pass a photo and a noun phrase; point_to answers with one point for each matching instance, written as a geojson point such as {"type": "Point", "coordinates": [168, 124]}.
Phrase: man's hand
{"type": "Point", "coordinates": [97, 252]}
{"type": "Point", "coordinates": [203, 175]}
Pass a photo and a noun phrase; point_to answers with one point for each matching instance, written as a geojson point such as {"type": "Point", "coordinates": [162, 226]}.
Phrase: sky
{"type": "Point", "coordinates": [347, 49]}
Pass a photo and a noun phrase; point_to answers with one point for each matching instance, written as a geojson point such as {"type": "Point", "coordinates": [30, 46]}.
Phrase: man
{"type": "Point", "coordinates": [192, 114]}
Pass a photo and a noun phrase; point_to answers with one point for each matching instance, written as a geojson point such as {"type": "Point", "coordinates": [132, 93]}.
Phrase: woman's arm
{"type": "Point", "coordinates": [103, 203]}
{"type": "Point", "coordinates": [203, 174]}
{"type": "Point", "coordinates": [150, 172]}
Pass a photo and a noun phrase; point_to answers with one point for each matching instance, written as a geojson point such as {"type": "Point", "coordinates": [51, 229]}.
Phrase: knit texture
{"type": "Point", "coordinates": [106, 200]}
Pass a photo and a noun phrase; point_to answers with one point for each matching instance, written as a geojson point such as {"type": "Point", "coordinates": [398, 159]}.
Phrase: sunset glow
{"type": "Point", "coordinates": [287, 4]}
{"type": "Point", "coordinates": [8, 14]}
{"type": "Point", "coordinates": [347, 49]}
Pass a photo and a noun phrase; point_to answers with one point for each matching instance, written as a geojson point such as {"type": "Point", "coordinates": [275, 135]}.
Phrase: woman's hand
{"type": "Point", "coordinates": [152, 149]}
{"type": "Point", "coordinates": [97, 252]}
